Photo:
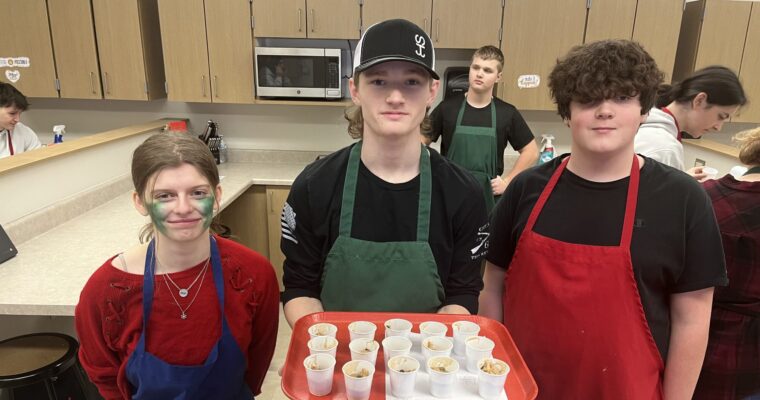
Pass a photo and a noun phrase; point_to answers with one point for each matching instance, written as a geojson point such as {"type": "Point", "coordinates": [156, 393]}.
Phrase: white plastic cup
{"type": "Point", "coordinates": [319, 373]}
{"type": "Point", "coordinates": [323, 345]}
{"type": "Point", "coordinates": [358, 388]}
{"type": "Point", "coordinates": [463, 330]}
{"type": "Point", "coordinates": [364, 349]}
{"type": "Point", "coordinates": [490, 385]}
{"type": "Point", "coordinates": [443, 376]}
{"type": "Point", "coordinates": [432, 328]}
{"type": "Point", "coordinates": [476, 349]}
{"type": "Point", "coordinates": [711, 172]}
{"type": "Point", "coordinates": [396, 346]}
{"type": "Point", "coordinates": [403, 373]}
{"type": "Point", "coordinates": [322, 329]}
{"type": "Point", "coordinates": [397, 327]}
{"type": "Point", "coordinates": [436, 346]}
{"type": "Point", "coordinates": [361, 329]}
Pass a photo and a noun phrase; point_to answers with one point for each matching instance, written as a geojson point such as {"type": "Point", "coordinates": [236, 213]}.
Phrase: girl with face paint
{"type": "Point", "coordinates": [186, 314]}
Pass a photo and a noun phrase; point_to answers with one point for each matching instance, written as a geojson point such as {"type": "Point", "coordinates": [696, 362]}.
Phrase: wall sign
{"type": "Point", "coordinates": [13, 75]}
{"type": "Point", "coordinates": [17, 62]}
{"type": "Point", "coordinates": [528, 81]}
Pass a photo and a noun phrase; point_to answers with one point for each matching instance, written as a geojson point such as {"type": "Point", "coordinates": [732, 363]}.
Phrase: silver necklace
{"type": "Point", "coordinates": [183, 310]}
{"type": "Point", "coordinates": [183, 292]}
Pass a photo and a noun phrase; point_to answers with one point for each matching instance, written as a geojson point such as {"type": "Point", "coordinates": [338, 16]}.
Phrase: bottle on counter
{"type": "Point", "coordinates": [58, 131]}
{"type": "Point", "coordinates": [547, 151]}
{"type": "Point", "coordinates": [222, 150]}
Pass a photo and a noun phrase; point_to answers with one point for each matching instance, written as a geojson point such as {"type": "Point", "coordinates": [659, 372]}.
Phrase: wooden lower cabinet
{"type": "Point", "coordinates": [254, 219]}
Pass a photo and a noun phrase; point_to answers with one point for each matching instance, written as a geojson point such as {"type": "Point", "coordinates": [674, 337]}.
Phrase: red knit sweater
{"type": "Point", "coordinates": [109, 318]}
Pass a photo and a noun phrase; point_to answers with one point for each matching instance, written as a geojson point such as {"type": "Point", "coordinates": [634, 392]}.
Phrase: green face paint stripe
{"type": "Point", "coordinates": [207, 210]}
{"type": "Point", "coordinates": [157, 213]}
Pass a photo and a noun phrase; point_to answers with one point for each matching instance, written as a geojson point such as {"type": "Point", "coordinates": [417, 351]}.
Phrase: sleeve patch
{"type": "Point", "coordinates": [288, 223]}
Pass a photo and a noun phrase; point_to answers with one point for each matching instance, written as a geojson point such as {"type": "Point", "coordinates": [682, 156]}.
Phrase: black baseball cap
{"type": "Point", "coordinates": [395, 40]}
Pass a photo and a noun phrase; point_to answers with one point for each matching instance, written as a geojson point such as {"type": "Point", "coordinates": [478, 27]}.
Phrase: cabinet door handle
{"type": "Point", "coordinates": [216, 88]}
{"type": "Point", "coordinates": [92, 82]}
{"type": "Point", "coordinates": [424, 25]}
{"type": "Point", "coordinates": [313, 20]}
{"type": "Point", "coordinates": [437, 30]}
{"type": "Point", "coordinates": [105, 83]}
{"type": "Point", "coordinates": [271, 202]}
{"type": "Point", "coordinates": [203, 85]}
{"type": "Point", "coordinates": [300, 20]}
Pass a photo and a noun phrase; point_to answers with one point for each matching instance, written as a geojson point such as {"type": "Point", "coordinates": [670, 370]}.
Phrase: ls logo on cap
{"type": "Point", "coordinates": [420, 40]}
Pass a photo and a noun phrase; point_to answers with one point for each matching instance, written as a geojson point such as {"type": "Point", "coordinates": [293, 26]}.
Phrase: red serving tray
{"type": "Point", "coordinates": [520, 383]}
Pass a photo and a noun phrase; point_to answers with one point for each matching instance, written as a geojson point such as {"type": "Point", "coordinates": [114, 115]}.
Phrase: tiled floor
{"type": "Point", "coordinates": [271, 389]}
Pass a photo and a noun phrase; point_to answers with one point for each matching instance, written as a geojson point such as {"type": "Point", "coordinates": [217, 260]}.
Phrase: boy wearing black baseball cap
{"type": "Point", "coordinates": [385, 224]}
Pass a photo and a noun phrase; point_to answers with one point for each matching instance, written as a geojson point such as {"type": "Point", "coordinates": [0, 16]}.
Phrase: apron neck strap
{"type": "Point", "coordinates": [630, 205]}
{"type": "Point", "coordinates": [349, 193]}
{"type": "Point", "coordinates": [753, 170]}
{"type": "Point", "coordinates": [460, 115]}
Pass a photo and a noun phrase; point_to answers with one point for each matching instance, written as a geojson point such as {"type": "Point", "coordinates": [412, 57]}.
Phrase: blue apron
{"type": "Point", "coordinates": [222, 376]}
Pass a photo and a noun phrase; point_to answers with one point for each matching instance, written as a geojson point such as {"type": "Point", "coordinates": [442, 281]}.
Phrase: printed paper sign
{"type": "Point", "coordinates": [13, 75]}
{"type": "Point", "coordinates": [18, 62]}
{"type": "Point", "coordinates": [528, 81]}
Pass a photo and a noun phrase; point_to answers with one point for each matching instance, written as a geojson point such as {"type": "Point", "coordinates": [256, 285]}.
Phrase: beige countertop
{"type": "Point", "coordinates": [47, 275]}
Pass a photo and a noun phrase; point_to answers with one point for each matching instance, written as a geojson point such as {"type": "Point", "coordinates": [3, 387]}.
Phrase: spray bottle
{"type": "Point", "coordinates": [547, 151]}
{"type": "Point", "coordinates": [58, 131]}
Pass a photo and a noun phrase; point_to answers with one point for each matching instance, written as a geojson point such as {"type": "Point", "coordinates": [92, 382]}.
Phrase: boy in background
{"type": "Point", "coordinates": [477, 126]}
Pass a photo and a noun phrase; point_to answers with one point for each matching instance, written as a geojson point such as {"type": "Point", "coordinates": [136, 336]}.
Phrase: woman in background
{"type": "Point", "coordinates": [732, 364]}
{"type": "Point", "coordinates": [187, 315]}
{"type": "Point", "coordinates": [697, 105]}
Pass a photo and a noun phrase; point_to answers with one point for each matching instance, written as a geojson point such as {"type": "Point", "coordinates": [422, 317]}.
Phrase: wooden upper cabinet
{"type": "Point", "coordinates": [26, 33]}
{"type": "Point", "coordinates": [208, 50]}
{"type": "Point", "coordinates": [749, 73]}
{"type": "Point", "coordinates": [417, 11]}
{"type": "Point", "coordinates": [531, 48]}
{"type": "Point", "coordinates": [712, 32]}
{"type": "Point", "coordinates": [657, 25]}
{"type": "Point", "coordinates": [76, 55]}
{"type": "Point", "coordinates": [466, 24]}
{"type": "Point", "coordinates": [230, 50]}
{"type": "Point", "coordinates": [610, 19]}
{"type": "Point", "coordinates": [333, 19]}
{"type": "Point", "coordinates": [183, 38]}
{"type": "Point", "coordinates": [318, 19]}
{"type": "Point", "coordinates": [279, 18]}
{"type": "Point", "coordinates": [129, 45]}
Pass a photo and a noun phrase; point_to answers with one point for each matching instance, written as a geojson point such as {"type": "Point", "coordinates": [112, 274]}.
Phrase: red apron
{"type": "Point", "coordinates": [576, 316]}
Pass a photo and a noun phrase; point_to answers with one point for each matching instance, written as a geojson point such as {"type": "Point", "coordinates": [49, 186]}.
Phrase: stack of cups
{"type": "Point", "coordinates": [403, 373]}
{"type": "Point", "coordinates": [319, 373]}
{"type": "Point", "coordinates": [358, 375]}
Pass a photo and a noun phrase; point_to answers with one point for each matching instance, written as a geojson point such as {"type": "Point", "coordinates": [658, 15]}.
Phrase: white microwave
{"type": "Point", "coordinates": [298, 73]}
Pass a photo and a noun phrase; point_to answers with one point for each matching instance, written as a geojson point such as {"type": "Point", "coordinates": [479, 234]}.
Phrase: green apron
{"type": "Point", "coordinates": [360, 275]}
{"type": "Point", "coordinates": [474, 148]}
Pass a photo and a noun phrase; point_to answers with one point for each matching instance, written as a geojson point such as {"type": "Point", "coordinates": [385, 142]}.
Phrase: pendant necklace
{"type": "Point", "coordinates": [183, 310]}
{"type": "Point", "coordinates": [183, 292]}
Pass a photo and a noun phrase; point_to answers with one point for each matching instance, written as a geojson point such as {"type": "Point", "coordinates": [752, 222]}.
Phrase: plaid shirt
{"type": "Point", "coordinates": [732, 364]}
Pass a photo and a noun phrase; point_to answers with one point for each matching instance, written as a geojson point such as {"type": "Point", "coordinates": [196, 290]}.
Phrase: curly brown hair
{"type": "Point", "coordinates": [602, 70]}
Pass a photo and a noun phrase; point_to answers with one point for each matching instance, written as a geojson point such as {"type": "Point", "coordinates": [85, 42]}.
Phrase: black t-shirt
{"type": "Point", "coordinates": [676, 245]}
{"type": "Point", "coordinates": [510, 125]}
{"type": "Point", "coordinates": [385, 212]}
